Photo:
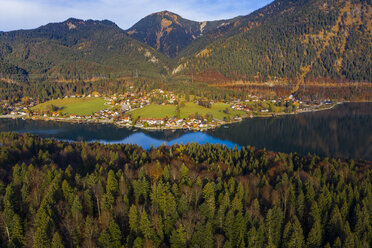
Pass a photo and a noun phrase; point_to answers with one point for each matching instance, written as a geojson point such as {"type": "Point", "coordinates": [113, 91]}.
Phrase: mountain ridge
{"type": "Point", "coordinates": [84, 40]}
{"type": "Point", "coordinates": [283, 41]}
{"type": "Point", "coordinates": [170, 33]}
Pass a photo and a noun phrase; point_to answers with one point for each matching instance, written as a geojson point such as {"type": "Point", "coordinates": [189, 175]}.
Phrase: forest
{"type": "Point", "coordinates": [49, 90]}
{"type": "Point", "coordinates": [299, 40]}
{"type": "Point", "coordinates": [60, 194]}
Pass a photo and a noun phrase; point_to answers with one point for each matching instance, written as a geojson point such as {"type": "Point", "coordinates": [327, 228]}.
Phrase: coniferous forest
{"type": "Point", "coordinates": [60, 194]}
{"type": "Point", "coordinates": [309, 39]}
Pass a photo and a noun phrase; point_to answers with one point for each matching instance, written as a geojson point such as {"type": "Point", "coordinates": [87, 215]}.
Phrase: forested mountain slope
{"type": "Point", "coordinates": [301, 40]}
{"type": "Point", "coordinates": [235, 26]}
{"type": "Point", "coordinates": [169, 33]}
{"type": "Point", "coordinates": [77, 49]}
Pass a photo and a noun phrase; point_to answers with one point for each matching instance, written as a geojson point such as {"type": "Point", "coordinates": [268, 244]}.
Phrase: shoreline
{"type": "Point", "coordinates": [128, 126]}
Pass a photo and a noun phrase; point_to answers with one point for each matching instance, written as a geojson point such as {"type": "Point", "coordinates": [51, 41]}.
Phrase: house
{"type": "Point", "coordinates": [95, 94]}
{"type": "Point", "coordinates": [159, 122]}
{"type": "Point", "coordinates": [289, 98]}
{"type": "Point", "coordinates": [126, 119]}
{"type": "Point", "coordinates": [203, 125]}
{"type": "Point", "coordinates": [125, 107]}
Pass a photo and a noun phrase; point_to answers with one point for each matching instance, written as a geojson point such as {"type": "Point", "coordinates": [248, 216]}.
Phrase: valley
{"type": "Point", "coordinates": [238, 126]}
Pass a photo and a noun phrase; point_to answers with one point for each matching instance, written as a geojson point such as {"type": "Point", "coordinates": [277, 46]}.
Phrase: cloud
{"type": "Point", "coordinates": [26, 14]}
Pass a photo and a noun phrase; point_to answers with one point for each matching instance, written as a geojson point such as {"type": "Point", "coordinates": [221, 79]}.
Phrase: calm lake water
{"type": "Point", "coordinates": [345, 131]}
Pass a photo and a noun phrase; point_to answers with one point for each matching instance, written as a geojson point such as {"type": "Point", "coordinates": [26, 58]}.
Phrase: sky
{"type": "Point", "coordinates": [28, 14]}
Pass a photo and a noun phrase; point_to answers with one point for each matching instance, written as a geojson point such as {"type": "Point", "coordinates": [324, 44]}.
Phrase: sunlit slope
{"type": "Point", "coordinates": [295, 40]}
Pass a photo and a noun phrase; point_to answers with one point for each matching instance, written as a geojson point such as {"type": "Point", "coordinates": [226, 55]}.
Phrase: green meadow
{"type": "Point", "coordinates": [77, 106]}
{"type": "Point", "coordinates": [162, 111]}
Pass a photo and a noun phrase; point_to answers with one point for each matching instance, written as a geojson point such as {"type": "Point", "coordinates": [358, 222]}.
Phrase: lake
{"type": "Point", "coordinates": [345, 131]}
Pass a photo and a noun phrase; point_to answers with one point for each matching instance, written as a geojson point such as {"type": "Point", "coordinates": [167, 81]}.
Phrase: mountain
{"type": "Point", "coordinates": [301, 40]}
{"type": "Point", "coordinates": [77, 49]}
{"type": "Point", "coordinates": [169, 33]}
{"type": "Point", "coordinates": [235, 26]}
{"type": "Point", "coordinates": [286, 41]}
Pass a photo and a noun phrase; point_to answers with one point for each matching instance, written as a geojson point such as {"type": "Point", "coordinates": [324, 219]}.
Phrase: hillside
{"type": "Point", "coordinates": [285, 43]}
{"type": "Point", "coordinates": [76, 50]}
{"type": "Point", "coordinates": [234, 26]}
{"type": "Point", "coordinates": [169, 33]}
{"type": "Point", "coordinates": [299, 40]}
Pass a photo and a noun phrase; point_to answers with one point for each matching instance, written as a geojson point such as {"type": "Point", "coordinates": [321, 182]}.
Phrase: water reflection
{"type": "Point", "coordinates": [147, 140]}
{"type": "Point", "coordinates": [345, 131]}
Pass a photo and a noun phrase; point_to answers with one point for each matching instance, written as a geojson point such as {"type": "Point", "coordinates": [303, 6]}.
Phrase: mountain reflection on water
{"type": "Point", "coordinates": [345, 131]}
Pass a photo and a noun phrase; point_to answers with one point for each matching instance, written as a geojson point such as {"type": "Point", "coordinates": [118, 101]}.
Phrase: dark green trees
{"type": "Point", "coordinates": [183, 196]}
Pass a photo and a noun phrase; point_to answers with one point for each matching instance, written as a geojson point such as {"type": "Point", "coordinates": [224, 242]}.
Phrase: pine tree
{"type": "Point", "coordinates": [57, 241]}
{"type": "Point", "coordinates": [208, 194]}
{"type": "Point", "coordinates": [314, 239]}
{"type": "Point", "coordinates": [138, 243]}
{"type": "Point", "coordinates": [115, 234]}
{"type": "Point", "coordinates": [16, 231]}
{"type": "Point", "coordinates": [229, 225]}
{"type": "Point", "coordinates": [274, 222]}
{"type": "Point", "coordinates": [178, 237]}
{"type": "Point", "coordinates": [112, 185]}
{"type": "Point", "coordinates": [184, 172]}
{"type": "Point", "coordinates": [252, 237]}
{"type": "Point", "coordinates": [362, 228]}
{"type": "Point", "coordinates": [349, 237]}
{"type": "Point", "coordinates": [145, 226]}
{"type": "Point", "coordinates": [141, 188]}
{"type": "Point", "coordinates": [104, 240]}
{"type": "Point", "coordinates": [76, 210]}
{"type": "Point", "coordinates": [240, 229]}
{"type": "Point", "coordinates": [227, 245]}
{"type": "Point", "coordinates": [236, 204]}
{"type": "Point", "coordinates": [183, 205]}
{"type": "Point", "coordinates": [335, 225]}
{"type": "Point", "coordinates": [300, 205]}
{"type": "Point", "coordinates": [42, 225]}
{"type": "Point", "coordinates": [337, 243]}
{"type": "Point", "coordinates": [293, 235]}
{"type": "Point", "coordinates": [133, 218]}
{"type": "Point", "coordinates": [208, 236]}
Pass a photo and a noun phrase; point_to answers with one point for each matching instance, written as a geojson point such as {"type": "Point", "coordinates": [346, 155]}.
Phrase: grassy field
{"type": "Point", "coordinates": [161, 111]}
{"type": "Point", "coordinates": [154, 111]}
{"type": "Point", "coordinates": [77, 106]}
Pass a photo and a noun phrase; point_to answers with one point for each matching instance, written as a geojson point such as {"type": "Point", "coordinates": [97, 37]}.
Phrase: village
{"type": "Point", "coordinates": [141, 110]}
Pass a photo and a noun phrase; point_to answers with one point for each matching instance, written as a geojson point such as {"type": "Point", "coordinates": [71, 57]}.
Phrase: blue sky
{"type": "Point", "coordinates": [27, 14]}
